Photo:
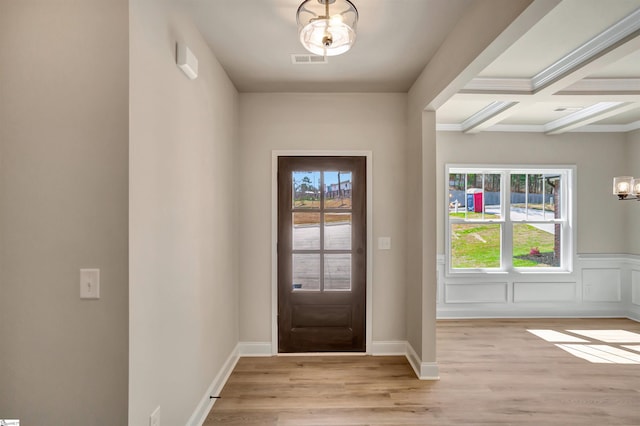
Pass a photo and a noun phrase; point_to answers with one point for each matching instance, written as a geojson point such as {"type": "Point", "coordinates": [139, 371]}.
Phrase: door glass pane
{"type": "Point", "coordinates": [306, 271]}
{"type": "Point", "coordinates": [306, 231]}
{"type": "Point", "coordinates": [306, 190]}
{"type": "Point", "coordinates": [536, 245]}
{"type": "Point", "coordinates": [337, 272]}
{"type": "Point", "coordinates": [475, 245]}
{"type": "Point", "coordinates": [337, 231]}
{"type": "Point", "coordinates": [337, 189]}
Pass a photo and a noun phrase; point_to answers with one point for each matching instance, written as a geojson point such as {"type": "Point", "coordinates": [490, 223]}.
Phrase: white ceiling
{"type": "Point", "coordinates": [577, 69]}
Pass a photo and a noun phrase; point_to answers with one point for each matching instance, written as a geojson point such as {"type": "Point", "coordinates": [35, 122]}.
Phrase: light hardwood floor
{"type": "Point", "coordinates": [492, 372]}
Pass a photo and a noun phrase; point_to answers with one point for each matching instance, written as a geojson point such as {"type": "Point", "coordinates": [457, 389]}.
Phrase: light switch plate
{"type": "Point", "coordinates": [384, 243]}
{"type": "Point", "coordinates": [89, 283]}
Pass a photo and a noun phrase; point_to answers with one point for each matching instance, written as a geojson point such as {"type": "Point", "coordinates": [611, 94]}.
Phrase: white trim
{"type": "Point", "coordinates": [600, 85]}
{"type": "Point", "coordinates": [429, 371]}
{"type": "Point", "coordinates": [598, 45]}
{"type": "Point", "coordinates": [496, 84]}
{"type": "Point", "coordinates": [423, 370]}
{"type": "Point", "coordinates": [389, 348]}
{"type": "Point", "coordinates": [274, 235]}
{"type": "Point", "coordinates": [570, 220]}
{"type": "Point", "coordinates": [414, 359]}
{"type": "Point", "coordinates": [485, 114]}
{"type": "Point", "coordinates": [206, 402]}
{"type": "Point", "coordinates": [540, 128]}
{"type": "Point", "coordinates": [255, 349]}
{"type": "Point", "coordinates": [601, 304]}
{"type": "Point", "coordinates": [479, 85]}
{"type": "Point", "coordinates": [593, 113]}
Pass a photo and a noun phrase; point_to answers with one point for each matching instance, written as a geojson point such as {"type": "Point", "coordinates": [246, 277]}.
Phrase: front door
{"type": "Point", "coordinates": [321, 254]}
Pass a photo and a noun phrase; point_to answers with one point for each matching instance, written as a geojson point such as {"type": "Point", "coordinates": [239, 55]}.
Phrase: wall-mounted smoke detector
{"type": "Point", "coordinates": [306, 59]}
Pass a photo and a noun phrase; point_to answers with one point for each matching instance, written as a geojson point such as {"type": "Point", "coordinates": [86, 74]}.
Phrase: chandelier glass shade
{"type": "Point", "coordinates": [626, 187]}
{"type": "Point", "coordinates": [327, 27]}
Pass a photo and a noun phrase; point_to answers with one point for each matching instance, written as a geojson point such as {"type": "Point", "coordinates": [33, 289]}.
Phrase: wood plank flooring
{"type": "Point", "coordinates": [492, 372]}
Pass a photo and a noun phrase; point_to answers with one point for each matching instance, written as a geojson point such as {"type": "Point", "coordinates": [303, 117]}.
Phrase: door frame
{"type": "Point", "coordinates": [274, 236]}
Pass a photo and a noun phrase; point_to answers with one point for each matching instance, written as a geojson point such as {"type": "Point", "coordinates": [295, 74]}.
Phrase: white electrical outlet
{"type": "Point", "coordinates": [154, 418]}
{"type": "Point", "coordinates": [89, 283]}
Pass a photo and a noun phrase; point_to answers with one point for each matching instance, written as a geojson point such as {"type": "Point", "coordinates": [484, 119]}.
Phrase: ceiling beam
{"type": "Point", "coordinates": [487, 116]}
{"type": "Point", "coordinates": [588, 115]}
{"type": "Point", "coordinates": [619, 33]}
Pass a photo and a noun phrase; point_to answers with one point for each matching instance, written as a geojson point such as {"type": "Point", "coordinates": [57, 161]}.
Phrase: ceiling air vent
{"type": "Point", "coordinates": [305, 59]}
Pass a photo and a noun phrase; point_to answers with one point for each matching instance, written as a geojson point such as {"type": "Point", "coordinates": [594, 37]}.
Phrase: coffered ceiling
{"type": "Point", "coordinates": [576, 69]}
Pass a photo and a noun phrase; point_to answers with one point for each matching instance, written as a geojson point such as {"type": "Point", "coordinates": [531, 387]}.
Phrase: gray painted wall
{"type": "Point", "coordinates": [183, 217]}
{"type": "Point", "coordinates": [371, 122]}
{"type": "Point", "coordinates": [63, 206]}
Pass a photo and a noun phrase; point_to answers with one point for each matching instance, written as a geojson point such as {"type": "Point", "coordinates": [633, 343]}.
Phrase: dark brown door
{"type": "Point", "coordinates": [321, 254]}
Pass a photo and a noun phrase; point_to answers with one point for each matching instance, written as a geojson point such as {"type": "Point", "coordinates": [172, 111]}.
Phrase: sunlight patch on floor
{"type": "Point", "coordinates": [601, 354]}
{"type": "Point", "coordinates": [595, 353]}
{"type": "Point", "coordinates": [556, 337]}
{"type": "Point", "coordinates": [609, 336]}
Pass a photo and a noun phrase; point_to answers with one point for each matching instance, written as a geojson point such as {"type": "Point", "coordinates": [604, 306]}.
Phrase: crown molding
{"type": "Point", "coordinates": [584, 116]}
{"type": "Point", "coordinates": [603, 85]}
{"type": "Point", "coordinates": [540, 128]}
{"type": "Point", "coordinates": [495, 84]}
{"type": "Point", "coordinates": [605, 41]}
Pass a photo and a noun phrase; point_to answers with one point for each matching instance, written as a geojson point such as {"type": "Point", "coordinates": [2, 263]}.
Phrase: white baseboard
{"type": "Point", "coordinates": [253, 349]}
{"type": "Point", "coordinates": [202, 410]}
{"type": "Point", "coordinates": [634, 313]}
{"type": "Point", "coordinates": [382, 348]}
{"type": "Point", "coordinates": [424, 370]}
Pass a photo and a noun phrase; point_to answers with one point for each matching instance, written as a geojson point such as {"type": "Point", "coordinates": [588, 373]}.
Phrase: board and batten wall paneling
{"type": "Point", "coordinates": [544, 292]}
{"type": "Point", "coordinates": [601, 285]}
{"type": "Point", "coordinates": [480, 292]}
{"type": "Point", "coordinates": [635, 286]}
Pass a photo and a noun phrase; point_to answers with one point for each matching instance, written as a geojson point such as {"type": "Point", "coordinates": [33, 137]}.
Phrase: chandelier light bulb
{"type": "Point", "coordinates": [327, 27]}
{"type": "Point", "coordinates": [622, 186]}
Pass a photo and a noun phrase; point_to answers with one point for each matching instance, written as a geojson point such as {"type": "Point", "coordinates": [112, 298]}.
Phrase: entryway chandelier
{"type": "Point", "coordinates": [626, 188]}
{"type": "Point", "coordinates": [327, 27]}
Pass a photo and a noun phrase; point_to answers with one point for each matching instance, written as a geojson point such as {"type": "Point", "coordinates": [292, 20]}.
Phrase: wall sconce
{"type": "Point", "coordinates": [626, 188]}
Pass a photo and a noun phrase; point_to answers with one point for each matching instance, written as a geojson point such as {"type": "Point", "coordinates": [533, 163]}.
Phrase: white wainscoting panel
{"type": "Point", "coordinates": [601, 285]}
{"type": "Point", "coordinates": [544, 292]}
{"type": "Point", "coordinates": [635, 287]}
{"type": "Point", "coordinates": [480, 292]}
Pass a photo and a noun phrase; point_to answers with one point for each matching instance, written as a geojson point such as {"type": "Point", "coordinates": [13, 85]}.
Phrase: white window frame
{"type": "Point", "coordinates": [568, 219]}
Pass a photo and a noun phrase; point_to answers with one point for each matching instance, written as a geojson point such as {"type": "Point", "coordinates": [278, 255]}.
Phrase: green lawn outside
{"type": "Point", "coordinates": [478, 245]}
